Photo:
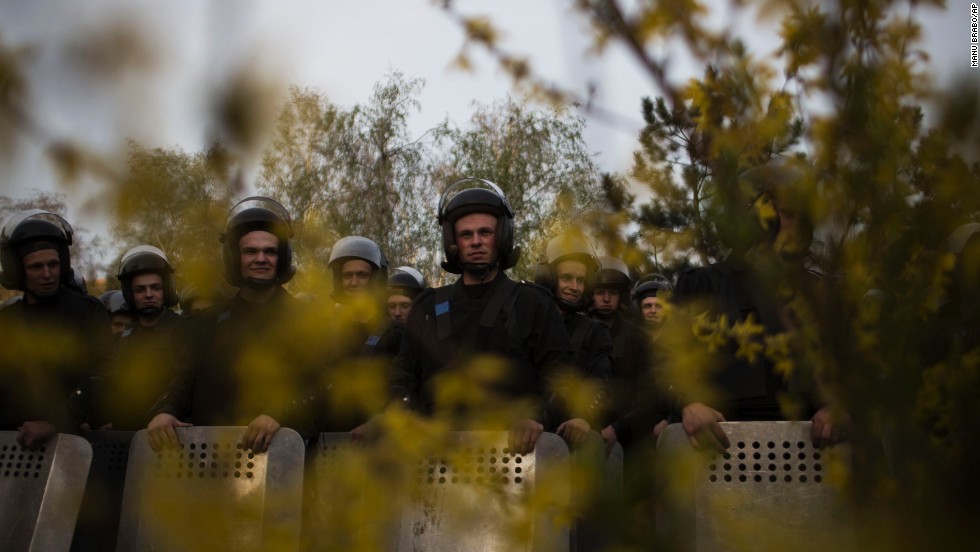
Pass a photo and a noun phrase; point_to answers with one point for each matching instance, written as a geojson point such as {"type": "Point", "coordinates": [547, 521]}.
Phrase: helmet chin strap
{"type": "Point", "coordinates": [569, 306]}
{"type": "Point", "coordinates": [259, 284]}
{"type": "Point", "coordinates": [44, 297]}
{"type": "Point", "coordinates": [480, 271]}
{"type": "Point", "coordinates": [151, 312]}
{"type": "Point", "coordinates": [605, 315]}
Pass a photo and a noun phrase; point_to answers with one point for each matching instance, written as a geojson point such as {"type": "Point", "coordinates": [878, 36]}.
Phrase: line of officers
{"type": "Point", "coordinates": [562, 354]}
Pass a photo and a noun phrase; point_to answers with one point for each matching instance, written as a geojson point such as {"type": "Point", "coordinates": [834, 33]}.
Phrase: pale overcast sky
{"type": "Point", "coordinates": [342, 49]}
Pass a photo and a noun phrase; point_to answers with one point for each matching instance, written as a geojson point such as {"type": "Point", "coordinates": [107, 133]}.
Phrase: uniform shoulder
{"type": "Point", "coordinates": [82, 301]}
{"type": "Point", "coordinates": [533, 289]}
{"type": "Point", "coordinates": [92, 301]}
{"type": "Point", "coordinates": [426, 295]}
{"type": "Point", "coordinates": [696, 280]}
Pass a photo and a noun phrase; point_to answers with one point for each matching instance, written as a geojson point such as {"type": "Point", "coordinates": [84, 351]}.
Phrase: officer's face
{"type": "Point", "coordinates": [42, 272]}
{"type": "Point", "coordinates": [398, 307]}
{"type": "Point", "coordinates": [259, 254]}
{"type": "Point", "coordinates": [607, 299]}
{"type": "Point", "coordinates": [120, 323]}
{"type": "Point", "coordinates": [652, 309]}
{"type": "Point", "coordinates": [147, 291]}
{"type": "Point", "coordinates": [476, 238]}
{"type": "Point", "coordinates": [355, 275]}
{"type": "Point", "coordinates": [571, 280]}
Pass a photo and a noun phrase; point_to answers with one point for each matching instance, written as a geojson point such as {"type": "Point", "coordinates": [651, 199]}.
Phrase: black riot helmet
{"type": "Point", "coordinates": [569, 247]}
{"type": "Point", "coordinates": [407, 281]}
{"type": "Point", "coordinates": [77, 281]}
{"type": "Point", "coordinates": [114, 302]}
{"type": "Point", "coordinates": [476, 195]}
{"type": "Point", "coordinates": [28, 231]}
{"type": "Point", "coordinates": [357, 247]}
{"type": "Point", "coordinates": [250, 215]}
{"type": "Point", "coordinates": [613, 274]}
{"type": "Point", "coordinates": [650, 285]}
{"type": "Point", "coordinates": [146, 259]}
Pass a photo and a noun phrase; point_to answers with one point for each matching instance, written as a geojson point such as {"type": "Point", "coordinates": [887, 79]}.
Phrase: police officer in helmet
{"type": "Point", "coordinates": [631, 380]}
{"type": "Point", "coordinates": [360, 271]}
{"type": "Point", "coordinates": [569, 271]}
{"type": "Point", "coordinates": [147, 354]}
{"type": "Point", "coordinates": [650, 295]}
{"type": "Point", "coordinates": [242, 359]}
{"type": "Point", "coordinates": [483, 314]}
{"type": "Point", "coordinates": [766, 266]}
{"type": "Point", "coordinates": [404, 285]}
{"type": "Point", "coordinates": [120, 318]}
{"type": "Point", "coordinates": [147, 281]}
{"type": "Point", "coordinates": [64, 334]}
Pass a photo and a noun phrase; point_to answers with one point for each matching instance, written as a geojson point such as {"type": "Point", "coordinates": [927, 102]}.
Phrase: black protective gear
{"type": "Point", "coordinates": [249, 215]}
{"type": "Point", "coordinates": [28, 231]}
{"type": "Point", "coordinates": [146, 259]}
{"type": "Point", "coordinates": [191, 293]}
{"type": "Point", "coordinates": [114, 302]}
{"type": "Point", "coordinates": [77, 281]}
{"type": "Point", "coordinates": [650, 285]}
{"type": "Point", "coordinates": [453, 325]}
{"type": "Point", "coordinates": [407, 281]}
{"type": "Point", "coordinates": [613, 273]}
{"type": "Point", "coordinates": [69, 338]}
{"type": "Point", "coordinates": [482, 196]}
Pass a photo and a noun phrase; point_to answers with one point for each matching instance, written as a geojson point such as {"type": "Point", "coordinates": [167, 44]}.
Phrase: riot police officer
{"type": "Point", "coordinates": [404, 285]}
{"type": "Point", "coordinates": [766, 263]}
{"type": "Point", "coordinates": [483, 316]}
{"type": "Point", "coordinates": [650, 295]}
{"type": "Point", "coordinates": [631, 380]}
{"type": "Point", "coordinates": [244, 355]}
{"type": "Point", "coordinates": [360, 273]}
{"type": "Point", "coordinates": [569, 271]}
{"type": "Point", "coordinates": [147, 281]}
{"type": "Point", "coordinates": [147, 354]}
{"type": "Point", "coordinates": [56, 339]}
{"type": "Point", "coordinates": [120, 318]}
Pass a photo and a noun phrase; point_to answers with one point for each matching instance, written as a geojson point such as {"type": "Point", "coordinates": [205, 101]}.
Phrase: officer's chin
{"type": "Point", "coordinates": [604, 314]}
{"type": "Point", "coordinates": [479, 270]}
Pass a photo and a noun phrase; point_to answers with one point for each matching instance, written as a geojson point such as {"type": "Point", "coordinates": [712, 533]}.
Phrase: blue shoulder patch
{"type": "Point", "coordinates": [442, 308]}
{"type": "Point", "coordinates": [373, 340]}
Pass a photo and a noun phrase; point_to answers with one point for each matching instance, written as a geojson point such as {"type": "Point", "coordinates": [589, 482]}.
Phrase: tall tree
{"type": "Point", "coordinates": [178, 202]}
{"type": "Point", "coordinates": [355, 171]}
